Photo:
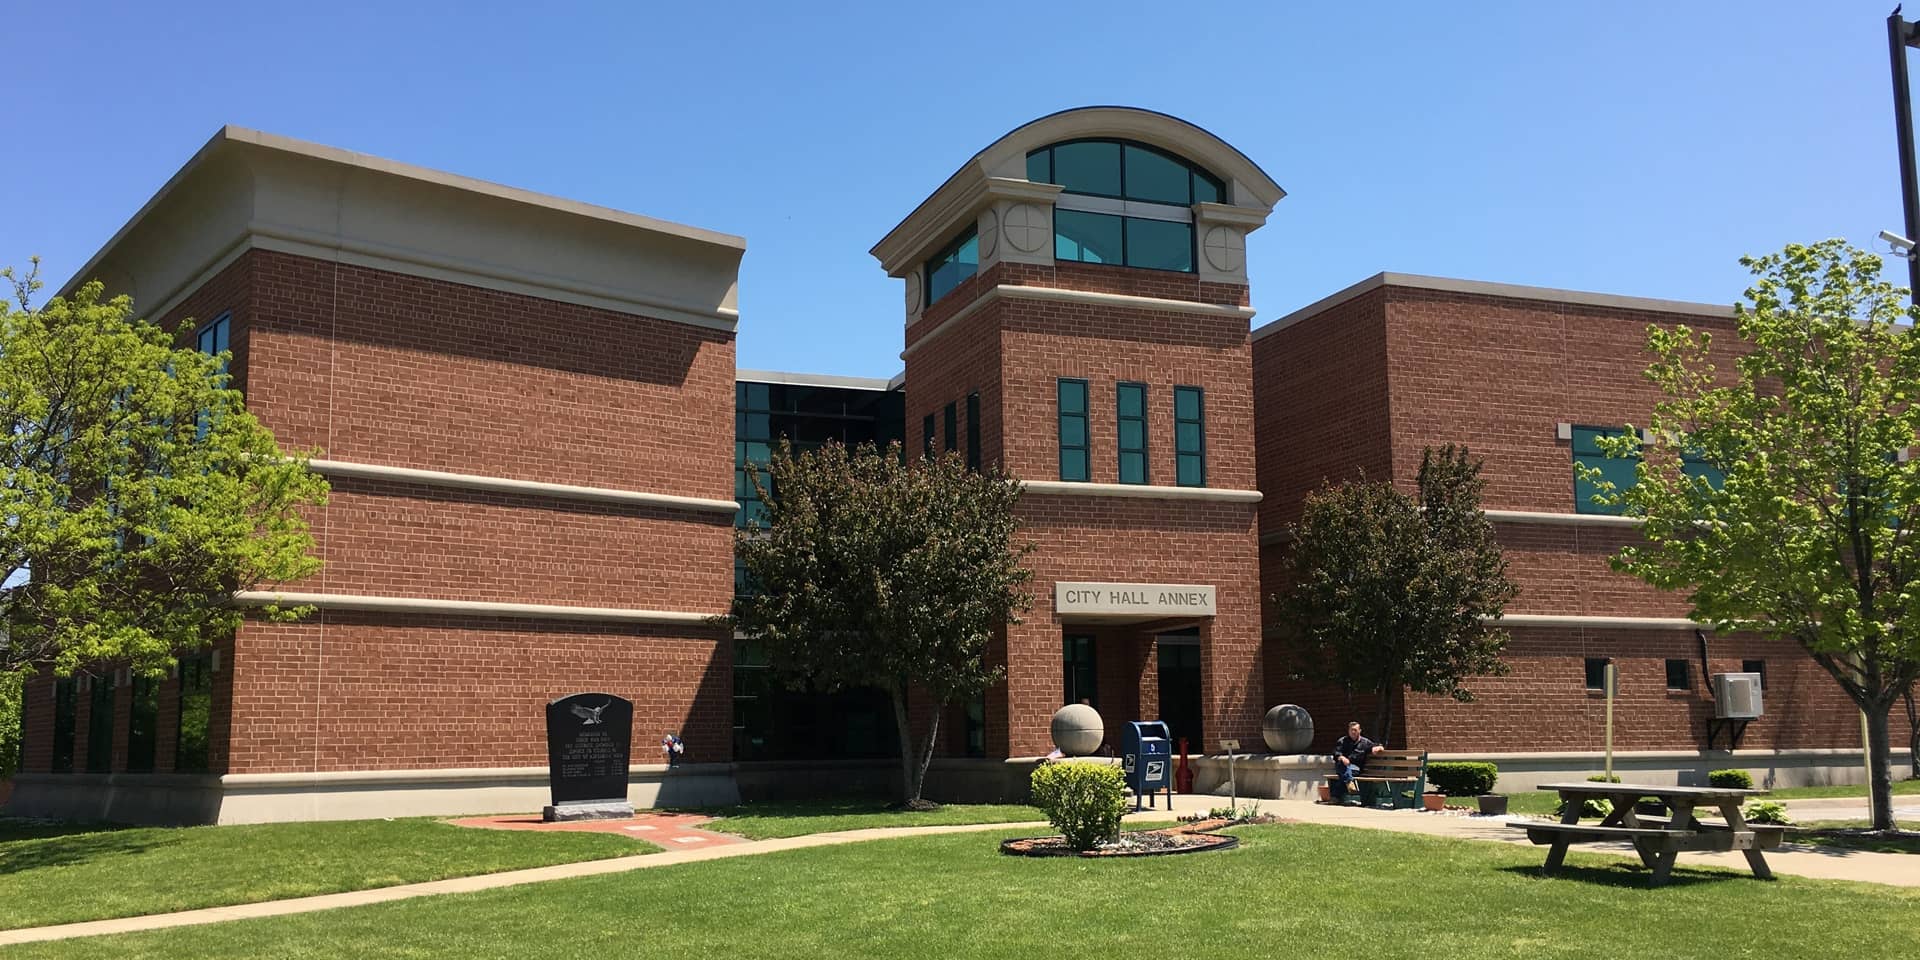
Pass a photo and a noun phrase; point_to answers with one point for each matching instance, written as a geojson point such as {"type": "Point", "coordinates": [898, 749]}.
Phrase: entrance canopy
{"type": "Point", "coordinates": [1076, 602]}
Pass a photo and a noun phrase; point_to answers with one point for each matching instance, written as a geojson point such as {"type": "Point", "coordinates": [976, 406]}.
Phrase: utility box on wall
{"type": "Point", "coordinates": [1736, 696]}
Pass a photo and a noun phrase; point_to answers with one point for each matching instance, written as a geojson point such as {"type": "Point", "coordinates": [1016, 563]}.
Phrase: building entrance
{"type": "Point", "coordinates": [1180, 688]}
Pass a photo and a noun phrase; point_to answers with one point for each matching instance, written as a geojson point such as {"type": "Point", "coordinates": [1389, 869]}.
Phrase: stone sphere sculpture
{"type": "Point", "coordinates": [1288, 728]}
{"type": "Point", "coordinates": [1078, 729]}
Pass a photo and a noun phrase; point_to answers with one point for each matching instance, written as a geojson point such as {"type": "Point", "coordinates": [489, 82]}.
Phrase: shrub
{"type": "Point", "coordinates": [1592, 806]}
{"type": "Point", "coordinates": [1767, 811]}
{"type": "Point", "coordinates": [10, 693]}
{"type": "Point", "coordinates": [1730, 779]}
{"type": "Point", "coordinates": [1457, 778]}
{"type": "Point", "coordinates": [1084, 801]}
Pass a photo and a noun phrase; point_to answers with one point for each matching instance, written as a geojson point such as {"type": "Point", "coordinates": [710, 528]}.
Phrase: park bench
{"type": "Point", "coordinates": [1390, 779]}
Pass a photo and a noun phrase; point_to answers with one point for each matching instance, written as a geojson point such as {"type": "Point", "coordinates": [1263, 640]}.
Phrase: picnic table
{"type": "Point", "coordinates": [1659, 840]}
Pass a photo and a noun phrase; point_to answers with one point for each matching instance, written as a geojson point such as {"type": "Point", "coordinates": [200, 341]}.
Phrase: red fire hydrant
{"type": "Point", "coordinates": [1183, 774]}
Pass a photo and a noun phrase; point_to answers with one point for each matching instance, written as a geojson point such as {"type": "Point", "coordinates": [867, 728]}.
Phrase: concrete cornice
{"type": "Point", "coordinates": [1606, 623]}
{"type": "Point", "coordinates": [249, 190]}
{"type": "Point", "coordinates": [1122, 301]}
{"type": "Point", "coordinates": [468, 608]}
{"type": "Point", "coordinates": [812, 380]}
{"type": "Point", "coordinates": [562, 491]}
{"type": "Point", "coordinates": [1563, 519]}
{"type": "Point", "coordinates": [1509, 291]}
{"type": "Point", "coordinates": [1137, 491]}
{"type": "Point", "coordinates": [944, 215]}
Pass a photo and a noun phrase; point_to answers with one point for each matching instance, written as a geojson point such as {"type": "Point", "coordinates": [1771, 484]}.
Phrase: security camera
{"type": "Point", "coordinates": [1902, 247]}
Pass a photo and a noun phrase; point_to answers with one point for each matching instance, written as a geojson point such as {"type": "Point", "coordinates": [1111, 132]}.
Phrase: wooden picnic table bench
{"type": "Point", "coordinates": [1658, 840]}
{"type": "Point", "coordinates": [1391, 779]}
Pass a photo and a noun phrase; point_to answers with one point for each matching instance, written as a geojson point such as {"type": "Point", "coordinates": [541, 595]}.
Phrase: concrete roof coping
{"type": "Point", "coordinates": [230, 134]}
{"type": "Point", "coordinates": [1511, 291]}
{"type": "Point", "coordinates": [812, 380]}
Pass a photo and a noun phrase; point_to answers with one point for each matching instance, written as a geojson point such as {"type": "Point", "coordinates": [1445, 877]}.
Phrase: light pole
{"type": "Point", "coordinates": [1900, 36]}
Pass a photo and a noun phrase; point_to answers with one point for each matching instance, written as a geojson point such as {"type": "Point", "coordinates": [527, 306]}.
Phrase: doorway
{"type": "Point", "coordinates": [1180, 688]}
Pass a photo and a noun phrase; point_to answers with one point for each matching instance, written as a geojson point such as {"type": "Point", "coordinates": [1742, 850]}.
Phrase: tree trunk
{"type": "Point", "coordinates": [1913, 734]}
{"type": "Point", "coordinates": [1383, 716]}
{"type": "Point", "coordinates": [913, 762]}
{"type": "Point", "coordinates": [1880, 763]}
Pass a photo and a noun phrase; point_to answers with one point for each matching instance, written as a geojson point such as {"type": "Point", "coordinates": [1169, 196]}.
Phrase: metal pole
{"type": "Point", "coordinates": [1611, 683]}
{"type": "Point", "coordinates": [1899, 37]}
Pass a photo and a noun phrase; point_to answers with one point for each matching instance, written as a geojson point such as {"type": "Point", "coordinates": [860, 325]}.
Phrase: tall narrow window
{"type": "Point", "coordinates": [926, 436]}
{"type": "Point", "coordinates": [973, 431]}
{"type": "Point", "coordinates": [1131, 400]}
{"type": "Point", "coordinates": [211, 339]}
{"type": "Point", "coordinates": [196, 714]}
{"type": "Point", "coordinates": [141, 717]}
{"type": "Point", "coordinates": [752, 449]}
{"type": "Point", "coordinates": [1621, 472]}
{"type": "Point", "coordinates": [955, 262]}
{"type": "Point", "coordinates": [1073, 430]}
{"type": "Point", "coordinates": [100, 726]}
{"type": "Point", "coordinates": [952, 423]}
{"type": "Point", "coordinates": [1077, 659]}
{"type": "Point", "coordinates": [63, 715]}
{"type": "Point", "coordinates": [1190, 436]}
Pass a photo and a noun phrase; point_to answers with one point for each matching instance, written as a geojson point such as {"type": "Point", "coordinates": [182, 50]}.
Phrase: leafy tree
{"type": "Point", "coordinates": [873, 572]}
{"type": "Point", "coordinates": [10, 693]}
{"type": "Point", "coordinates": [139, 493]}
{"type": "Point", "coordinates": [1809, 535]}
{"type": "Point", "coordinates": [1391, 591]}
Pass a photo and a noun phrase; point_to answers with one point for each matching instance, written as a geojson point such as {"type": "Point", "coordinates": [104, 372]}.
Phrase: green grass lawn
{"type": "Point", "coordinates": [1903, 843]}
{"type": "Point", "coordinates": [1289, 890]}
{"type": "Point", "coordinates": [767, 821]}
{"type": "Point", "coordinates": [1543, 803]}
{"type": "Point", "coordinates": [64, 873]}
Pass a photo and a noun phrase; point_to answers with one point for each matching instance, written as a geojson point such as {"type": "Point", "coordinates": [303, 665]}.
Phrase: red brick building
{"type": "Point", "coordinates": [520, 404]}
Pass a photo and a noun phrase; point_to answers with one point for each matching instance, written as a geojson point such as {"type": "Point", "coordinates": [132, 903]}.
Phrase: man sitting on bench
{"type": "Point", "coordinates": [1350, 755]}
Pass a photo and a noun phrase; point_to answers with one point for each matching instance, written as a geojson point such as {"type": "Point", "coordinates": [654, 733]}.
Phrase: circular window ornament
{"type": "Point", "coordinates": [989, 235]}
{"type": "Point", "coordinates": [1225, 249]}
{"type": "Point", "coordinates": [913, 293]}
{"type": "Point", "coordinates": [1026, 227]}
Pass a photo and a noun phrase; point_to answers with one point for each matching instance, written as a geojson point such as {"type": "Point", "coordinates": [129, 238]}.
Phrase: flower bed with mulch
{"type": "Point", "coordinates": [1186, 838]}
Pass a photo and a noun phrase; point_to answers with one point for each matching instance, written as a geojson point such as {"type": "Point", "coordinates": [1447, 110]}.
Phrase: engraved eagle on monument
{"type": "Point", "coordinates": [589, 741]}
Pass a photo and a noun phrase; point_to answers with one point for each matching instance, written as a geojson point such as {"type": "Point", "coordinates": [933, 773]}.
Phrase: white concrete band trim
{"type": "Point", "coordinates": [282, 238]}
{"type": "Point", "coordinates": [1583, 755]}
{"type": "Point", "coordinates": [1483, 288]}
{"type": "Point", "coordinates": [1563, 519]}
{"type": "Point", "coordinates": [1122, 301]}
{"type": "Point", "coordinates": [563, 491]}
{"type": "Point", "coordinates": [444, 775]}
{"type": "Point", "coordinates": [1617, 623]}
{"type": "Point", "coordinates": [469, 608]}
{"type": "Point", "coordinates": [1137, 491]}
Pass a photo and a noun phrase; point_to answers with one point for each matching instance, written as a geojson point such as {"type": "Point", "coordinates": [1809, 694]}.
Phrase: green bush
{"type": "Point", "coordinates": [1767, 811]}
{"type": "Point", "coordinates": [1084, 801]}
{"type": "Point", "coordinates": [1459, 778]}
{"type": "Point", "coordinates": [1730, 779]}
{"type": "Point", "coordinates": [10, 692]}
{"type": "Point", "coordinates": [1592, 806]}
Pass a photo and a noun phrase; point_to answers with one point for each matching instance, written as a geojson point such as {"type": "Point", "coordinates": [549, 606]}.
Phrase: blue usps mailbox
{"type": "Point", "coordinates": [1146, 756]}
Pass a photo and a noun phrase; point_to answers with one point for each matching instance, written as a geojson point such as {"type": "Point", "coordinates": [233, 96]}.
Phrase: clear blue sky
{"type": "Point", "coordinates": [1635, 148]}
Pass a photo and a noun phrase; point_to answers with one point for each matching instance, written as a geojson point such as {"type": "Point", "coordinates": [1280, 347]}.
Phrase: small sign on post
{"type": "Point", "coordinates": [1233, 782]}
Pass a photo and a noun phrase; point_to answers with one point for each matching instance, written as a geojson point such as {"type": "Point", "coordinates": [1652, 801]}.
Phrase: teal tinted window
{"type": "Point", "coordinates": [1073, 430]}
{"type": "Point", "coordinates": [141, 735]}
{"type": "Point", "coordinates": [100, 726]}
{"type": "Point", "coordinates": [1156, 177]}
{"type": "Point", "coordinates": [1080, 670]}
{"type": "Point", "coordinates": [196, 714]}
{"type": "Point", "coordinates": [1087, 237]}
{"type": "Point", "coordinates": [212, 338]}
{"type": "Point", "coordinates": [1131, 401]}
{"type": "Point", "coordinates": [1693, 466]}
{"type": "Point", "coordinates": [1189, 436]}
{"type": "Point", "coordinates": [1159, 245]}
{"type": "Point", "coordinates": [1040, 166]}
{"type": "Point", "coordinates": [63, 721]}
{"type": "Point", "coordinates": [952, 424]}
{"type": "Point", "coordinates": [1619, 471]}
{"type": "Point", "coordinates": [1089, 166]}
{"type": "Point", "coordinates": [1205, 188]}
{"type": "Point", "coordinates": [953, 264]}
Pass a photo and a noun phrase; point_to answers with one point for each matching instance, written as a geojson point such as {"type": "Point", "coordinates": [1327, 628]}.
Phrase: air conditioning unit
{"type": "Point", "coordinates": [1736, 696]}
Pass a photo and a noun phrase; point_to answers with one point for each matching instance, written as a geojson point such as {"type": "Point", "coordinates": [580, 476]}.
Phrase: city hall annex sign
{"type": "Point", "coordinates": [1133, 599]}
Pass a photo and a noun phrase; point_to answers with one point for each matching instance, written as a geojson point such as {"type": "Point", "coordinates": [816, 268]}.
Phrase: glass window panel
{"type": "Point", "coordinates": [1132, 400]}
{"type": "Point", "coordinates": [1596, 673]}
{"type": "Point", "coordinates": [1073, 431]}
{"type": "Point", "coordinates": [1189, 472]}
{"type": "Point", "coordinates": [759, 452]}
{"type": "Point", "coordinates": [1679, 677]}
{"type": "Point", "coordinates": [1133, 468]}
{"type": "Point", "coordinates": [759, 396]}
{"type": "Point", "coordinates": [1088, 167]}
{"type": "Point", "coordinates": [1159, 245]}
{"type": "Point", "coordinates": [1133, 435]}
{"type": "Point", "coordinates": [64, 701]}
{"type": "Point", "coordinates": [1086, 237]}
{"type": "Point", "coordinates": [757, 427]}
{"type": "Point", "coordinates": [1073, 465]}
{"type": "Point", "coordinates": [196, 705]}
{"type": "Point", "coordinates": [1038, 167]}
{"type": "Point", "coordinates": [1205, 188]}
{"type": "Point", "coordinates": [1156, 177]}
{"type": "Point", "coordinates": [1187, 437]}
{"type": "Point", "coordinates": [1073, 396]}
{"type": "Point", "coordinates": [952, 424]}
{"type": "Point", "coordinates": [1186, 404]}
{"type": "Point", "coordinates": [1621, 472]}
{"type": "Point", "coordinates": [100, 727]}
